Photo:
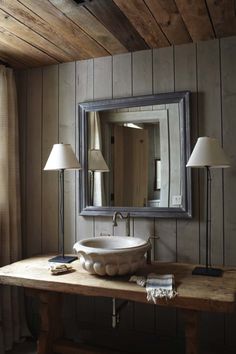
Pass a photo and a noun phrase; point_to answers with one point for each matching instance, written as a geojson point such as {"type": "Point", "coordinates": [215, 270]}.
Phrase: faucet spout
{"type": "Point", "coordinates": [122, 217]}
{"type": "Point", "coordinates": [114, 217]}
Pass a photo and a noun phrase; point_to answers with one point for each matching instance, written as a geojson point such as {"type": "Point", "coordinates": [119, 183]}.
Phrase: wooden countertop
{"type": "Point", "coordinates": [194, 292]}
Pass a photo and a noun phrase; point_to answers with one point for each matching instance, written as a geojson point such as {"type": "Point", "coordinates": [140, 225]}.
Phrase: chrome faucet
{"type": "Point", "coordinates": [122, 217]}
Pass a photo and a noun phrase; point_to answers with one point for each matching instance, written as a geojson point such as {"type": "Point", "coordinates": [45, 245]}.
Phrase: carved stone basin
{"type": "Point", "coordinates": [112, 255]}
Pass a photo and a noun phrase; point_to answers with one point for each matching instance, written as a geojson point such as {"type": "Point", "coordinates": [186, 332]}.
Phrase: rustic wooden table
{"type": "Point", "coordinates": [195, 294]}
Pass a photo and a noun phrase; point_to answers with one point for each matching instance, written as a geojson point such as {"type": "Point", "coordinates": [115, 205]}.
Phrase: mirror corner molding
{"type": "Point", "coordinates": [160, 185]}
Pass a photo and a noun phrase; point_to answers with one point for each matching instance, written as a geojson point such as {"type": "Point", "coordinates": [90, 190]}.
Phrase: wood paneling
{"type": "Point", "coordinates": [228, 72]}
{"type": "Point", "coordinates": [84, 92]}
{"type": "Point", "coordinates": [142, 73]}
{"type": "Point", "coordinates": [37, 24]}
{"type": "Point", "coordinates": [142, 19]}
{"type": "Point", "coordinates": [228, 55]}
{"type": "Point", "coordinates": [223, 16]}
{"type": "Point", "coordinates": [11, 24]}
{"type": "Point", "coordinates": [90, 24]}
{"type": "Point", "coordinates": [169, 19]}
{"type": "Point", "coordinates": [7, 58]}
{"type": "Point", "coordinates": [163, 81]}
{"type": "Point", "coordinates": [24, 51]}
{"type": "Point", "coordinates": [196, 19]}
{"type": "Point", "coordinates": [209, 112]}
{"type": "Point", "coordinates": [186, 77]}
{"type": "Point", "coordinates": [121, 80]}
{"type": "Point", "coordinates": [188, 233]}
{"type": "Point", "coordinates": [207, 69]}
{"type": "Point", "coordinates": [163, 70]}
{"type": "Point", "coordinates": [25, 54]}
{"type": "Point", "coordinates": [117, 23]}
{"type": "Point", "coordinates": [67, 108]}
{"type": "Point", "coordinates": [85, 308]}
{"type": "Point", "coordinates": [53, 31]}
{"type": "Point", "coordinates": [142, 85]}
{"type": "Point", "coordinates": [83, 45]}
{"type": "Point", "coordinates": [122, 87]}
{"type": "Point", "coordinates": [102, 78]}
{"type": "Point", "coordinates": [50, 202]}
{"type": "Point", "coordinates": [33, 163]}
{"type": "Point", "coordinates": [22, 87]}
{"type": "Point", "coordinates": [130, 178]}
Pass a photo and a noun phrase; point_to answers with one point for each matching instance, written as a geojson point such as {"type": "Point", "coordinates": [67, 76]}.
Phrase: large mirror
{"type": "Point", "coordinates": [133, 153]}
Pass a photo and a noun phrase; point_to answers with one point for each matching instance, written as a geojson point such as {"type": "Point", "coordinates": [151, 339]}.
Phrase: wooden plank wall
{"type": "Point", "coordinates": [48, 100]}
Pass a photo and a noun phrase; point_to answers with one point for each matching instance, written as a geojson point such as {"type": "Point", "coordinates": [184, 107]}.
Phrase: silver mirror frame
{"type": "Point", "coordinates": [183, 99]}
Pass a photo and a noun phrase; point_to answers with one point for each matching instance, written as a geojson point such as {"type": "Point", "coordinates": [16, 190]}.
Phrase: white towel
{"type": "Point", "coordinates": [157, 285]}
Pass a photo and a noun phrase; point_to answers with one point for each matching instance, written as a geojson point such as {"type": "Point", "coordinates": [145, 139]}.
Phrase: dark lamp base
{"type": "Point", "coordinates": [211, 272]}
{"type": "Point", "coordinates": [61, 259]}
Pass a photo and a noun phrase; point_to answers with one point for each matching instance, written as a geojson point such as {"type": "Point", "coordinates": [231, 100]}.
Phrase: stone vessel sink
{"type": "Point", "coordinates": [112, 255]}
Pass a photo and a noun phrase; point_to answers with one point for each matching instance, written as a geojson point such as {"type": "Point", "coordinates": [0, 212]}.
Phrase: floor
{"type": "Point", "coordinates": [28, 347]}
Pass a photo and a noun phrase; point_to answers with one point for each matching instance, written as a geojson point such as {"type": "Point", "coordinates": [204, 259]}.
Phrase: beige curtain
{"type": "Point", "coordinates": [10, 229]}
{"type": "Point", "coordinates": [95, 142]}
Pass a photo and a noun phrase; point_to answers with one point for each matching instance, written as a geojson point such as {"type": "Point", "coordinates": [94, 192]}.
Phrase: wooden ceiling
{"type": "Point", "coordinates": [42, 32]}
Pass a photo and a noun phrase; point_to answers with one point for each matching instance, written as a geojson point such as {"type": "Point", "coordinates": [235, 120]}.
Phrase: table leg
{"type": "Point", "coordinates": [51, 323]}
{"type": "Point", "coordinates": [191, 331]}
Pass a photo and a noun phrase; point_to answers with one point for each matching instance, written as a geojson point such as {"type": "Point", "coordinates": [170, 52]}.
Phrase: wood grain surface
{"type": "Point", "coordinates": [200, 293]}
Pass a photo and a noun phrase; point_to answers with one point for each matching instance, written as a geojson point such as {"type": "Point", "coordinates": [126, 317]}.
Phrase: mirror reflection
{"type": "Point", "coordinates": [133, 153]}
{"type": "Point", "coordinates": [134, 157]}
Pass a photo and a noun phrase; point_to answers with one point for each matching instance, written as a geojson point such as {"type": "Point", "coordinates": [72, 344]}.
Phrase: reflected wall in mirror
{"type": "Point", "coordinates": [134, 152]}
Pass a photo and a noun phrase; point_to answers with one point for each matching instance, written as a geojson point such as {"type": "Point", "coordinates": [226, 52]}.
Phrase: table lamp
{"type": "Point", "coordinates": [62, 158]}
{"type": "Point", "coordinates": [207, 154]}
{"type": "Point", "coordinates": [96, 163]}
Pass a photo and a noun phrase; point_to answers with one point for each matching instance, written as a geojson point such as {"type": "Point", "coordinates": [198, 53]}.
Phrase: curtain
{"type": "Point", "coordinates": [11, 324]}
{"type": "Point", "coordinates": [95, 142]}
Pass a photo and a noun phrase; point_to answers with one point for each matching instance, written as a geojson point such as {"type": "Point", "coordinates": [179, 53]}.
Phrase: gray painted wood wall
{"type": "Point", "coordinates": [48, 100]}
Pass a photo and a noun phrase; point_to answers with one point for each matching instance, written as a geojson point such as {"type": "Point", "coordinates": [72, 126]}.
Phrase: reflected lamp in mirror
{"type": "Point", "coordinates": [157, 181]}
{"type": "Point", "coordinates": [60, 159]}
{"type": "Point", "coordinates": [208, 154]}
{"type": "Point", "coordinates": [96, 163]}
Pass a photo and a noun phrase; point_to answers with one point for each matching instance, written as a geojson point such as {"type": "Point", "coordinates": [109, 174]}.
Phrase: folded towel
{"type": "Point", "coordinates": [157, 285]}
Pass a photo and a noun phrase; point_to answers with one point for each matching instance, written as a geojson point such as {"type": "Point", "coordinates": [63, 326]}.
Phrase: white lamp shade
{"type": "Point", "coordinates": [208, 153]}
{"type": "Point", "coordinates": [62, 157]}
{"type": "Point", "coordinates": [96, 161]}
